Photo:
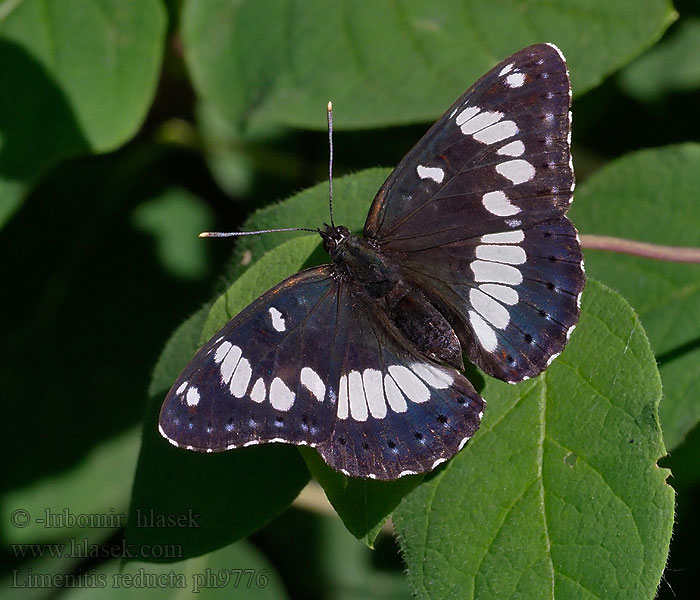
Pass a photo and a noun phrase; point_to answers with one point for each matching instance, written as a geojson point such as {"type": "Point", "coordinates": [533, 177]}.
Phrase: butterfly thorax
{"type": "Point", "coordinates": [360, 263]}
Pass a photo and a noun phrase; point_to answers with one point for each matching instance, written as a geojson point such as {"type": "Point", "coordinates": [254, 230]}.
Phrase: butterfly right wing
{"type": "Point", "coordinates": [474, 214]}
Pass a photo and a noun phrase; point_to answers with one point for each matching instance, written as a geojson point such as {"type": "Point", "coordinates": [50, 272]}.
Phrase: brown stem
{"type": "Point", "coordinates": [655, 251]}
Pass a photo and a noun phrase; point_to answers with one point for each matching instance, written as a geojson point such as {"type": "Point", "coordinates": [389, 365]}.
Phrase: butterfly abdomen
{"type": "Point", "coordinates": [424, 325]}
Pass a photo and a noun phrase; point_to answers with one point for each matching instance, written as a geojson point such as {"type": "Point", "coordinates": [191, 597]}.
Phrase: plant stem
{"type": "Point", "coordinates": [655, 251]}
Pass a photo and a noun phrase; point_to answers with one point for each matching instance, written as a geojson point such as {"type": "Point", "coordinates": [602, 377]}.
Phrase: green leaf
{"type": "Point", "coordinates": [174, 219]}
{"type": "Point", "coordinates": [210, 500]}
{"type": "Point", "coordinates": [385, 63]}
{"type": "Point", "coordinates": [351, 568]}
{"type": "Point", "coordinates": [54, 506]}
{"type": "Point", "coordinates": [232, 156]}
{"type": "Point", "coordinates": [250, 485]}
{"type": "Point", "coordinates": [77, 76]}
{"type": "Point", "coordinates": [364, 505]}
{"type": "Point", "coordinates": [178, 351]}
{"type": "Point", "coordinates": [652, 196]}
{"type": "Point", "coordinates": [666, 68]}
{"type": "Point", "coordinates": [558, 494]}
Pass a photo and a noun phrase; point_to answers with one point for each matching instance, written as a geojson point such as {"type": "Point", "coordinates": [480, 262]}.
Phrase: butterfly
{"type": "Point", "coordinates": [466, 250]}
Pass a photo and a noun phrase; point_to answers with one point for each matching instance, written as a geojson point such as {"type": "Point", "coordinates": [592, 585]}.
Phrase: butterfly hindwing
{"type": "Point", "coordinates": [398, 411]}
{"type": "Point", "coordinates": [475, 216]}
{"type": "Point", "coordinates": [513, 297]}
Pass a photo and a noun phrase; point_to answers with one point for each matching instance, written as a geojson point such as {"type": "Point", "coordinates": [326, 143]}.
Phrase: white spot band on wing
{"type": "Point", "coordinates": [512, 255]}
{"type": "Point", "coordinates": [515, 80]}
{"type": "Point", "coordinates": [516, 148]}
{"type": "Point", "coordinates": [491, 310]}
{"type": "Point", "coordinates": [409, 383]}
{"type": "Point", "coordinates": [484, 333]}
{"type": "Point", "coordinates": [434, 377]}
{"type": "Point", "coordinates": [492, 272]}
{"type": "Point", "coordinates": [374, 392]}
{"type": "Point", "coordinates": [356, 397]}
{"type": "Point", "coordinates": [192, 396]}
{"type": "Point", "coordinates": [503, 293]}
{"type": "Point", "coordinates": [480, 121]}
{"type": "Point", "coordinates": [281, 397]}
{"type": "Point", "coordinates": [506, 237]}
{"type": "Point", "coordinates": [496, 132]}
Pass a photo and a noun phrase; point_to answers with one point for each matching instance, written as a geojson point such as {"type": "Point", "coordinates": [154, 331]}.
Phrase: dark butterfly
{"type": "Point", "coordinates": [466, 249]}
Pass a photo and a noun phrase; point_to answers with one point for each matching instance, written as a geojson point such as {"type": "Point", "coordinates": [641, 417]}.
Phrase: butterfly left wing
{"type": "Point", "coordinates": [264, 376]}
{"type": "Point", "coordinates": [475, 216]}
{"type": "Point", "coordinates": [314, 362]}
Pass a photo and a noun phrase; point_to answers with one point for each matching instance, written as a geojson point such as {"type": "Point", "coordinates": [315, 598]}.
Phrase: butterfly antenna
{"type": "Point", "coordinates": [330, 195]}
{"type": "Point", "coordinates": [330, 160]}
{"type": "Point", "coordinates": [239, 233]}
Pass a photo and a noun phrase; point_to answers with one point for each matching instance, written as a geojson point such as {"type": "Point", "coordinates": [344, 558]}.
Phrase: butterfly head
{"type": "Point", "coordinates": [334, 237]}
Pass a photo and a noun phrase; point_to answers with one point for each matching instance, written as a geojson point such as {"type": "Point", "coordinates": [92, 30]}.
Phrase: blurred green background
{"type": "Point", "coordinates": [128, 127]}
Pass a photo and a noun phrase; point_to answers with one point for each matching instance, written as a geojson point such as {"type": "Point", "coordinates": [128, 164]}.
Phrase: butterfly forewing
{"type": "Point", "coordinates": [498, 159]}
{"type": "Point", "coordinates": [264, 376]}
{"type": "Point", "coordinates": [474, 214]}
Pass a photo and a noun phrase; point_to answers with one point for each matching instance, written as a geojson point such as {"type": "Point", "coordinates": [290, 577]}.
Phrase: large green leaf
{"type": "Point", "coordinates": [53, 509]}
{"type": "Point", "coordinates": [174, 219]}
{"type": "Point", "coordinates": [391, 62]}
{"type": "Point", "coordinates": [667, 67]}
{"type": "Point", "coordinates": [559, 494]}
{"type": "Point", "coordinates": [251, 485]}
{"type": "Point", "coordinates": [652, 196]}
{"type": "Point", "coordinates": [77, 76]}
{"type": "Point", "coordinates": [363, 504]}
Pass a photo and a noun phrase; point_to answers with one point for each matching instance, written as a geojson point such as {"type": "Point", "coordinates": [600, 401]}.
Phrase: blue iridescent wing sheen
{"type": "Point", "coordinates": [312, 363]}
{"type": "Point", "coordinates": [475, 215]}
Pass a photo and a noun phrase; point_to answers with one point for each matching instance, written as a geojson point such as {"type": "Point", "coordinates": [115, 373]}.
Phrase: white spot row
{"type": "Point", "coordinates": [518, 170]}
{"type": "Point", "coordinates": [236, 373]}
{"type": "Point", "coordinates": [494, 273]}
{"type": "Point", "coordinates": [368, 393]}
{"type": "Point", "coordinates": [485, 127]}
{"type": "Point", "coordinates": [192, 396]}
{"type": "Point", "coordinates": [497, 203]}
